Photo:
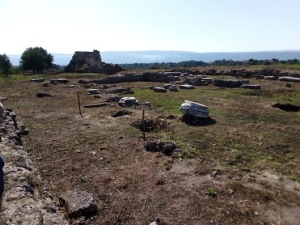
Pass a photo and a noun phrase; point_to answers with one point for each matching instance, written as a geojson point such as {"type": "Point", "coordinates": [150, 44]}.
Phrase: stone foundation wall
{"type": "Point", "coordinates": [24, 201]}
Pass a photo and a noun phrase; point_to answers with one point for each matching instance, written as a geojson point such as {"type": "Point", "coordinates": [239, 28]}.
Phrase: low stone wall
{"type": "Point", "coordinates": [248, 73]}
{"type": "Point", "coordinates": [24, 201]}
{"type": "Point", "coordinates": [132, 77]}
{"type": "Point", "coordinates": [230, 83]}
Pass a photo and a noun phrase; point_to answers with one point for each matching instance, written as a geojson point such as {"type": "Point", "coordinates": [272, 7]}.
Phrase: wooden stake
{"type": "Point", "coordinates": [78, 98]}
{"type": "Point", "coordinates": [144, 135]}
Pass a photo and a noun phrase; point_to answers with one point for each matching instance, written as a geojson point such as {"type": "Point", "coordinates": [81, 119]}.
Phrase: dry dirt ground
{"type": "Point", "coordinates": [105, 156]}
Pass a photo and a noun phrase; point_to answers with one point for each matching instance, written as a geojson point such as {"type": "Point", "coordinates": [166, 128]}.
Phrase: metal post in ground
{"type": "Point", "coordinates": [79, 107]}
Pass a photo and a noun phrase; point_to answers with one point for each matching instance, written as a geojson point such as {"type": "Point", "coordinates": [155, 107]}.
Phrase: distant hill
{"type": "Point", "coordinates": [123, 57]}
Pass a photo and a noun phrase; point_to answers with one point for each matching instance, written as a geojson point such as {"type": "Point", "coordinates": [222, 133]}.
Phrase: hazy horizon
{"type": "Point", "coordinates": [151, 56]}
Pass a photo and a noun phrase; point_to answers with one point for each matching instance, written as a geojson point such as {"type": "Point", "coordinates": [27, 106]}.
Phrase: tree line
{"type": "Point", "coordinates": [192, 63]}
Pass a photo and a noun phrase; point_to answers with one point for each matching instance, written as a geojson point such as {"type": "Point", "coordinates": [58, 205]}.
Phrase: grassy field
{"type": "Point", "coordinates": [247, 126]}
{"type": "Point", "coordinates": [222, 173]}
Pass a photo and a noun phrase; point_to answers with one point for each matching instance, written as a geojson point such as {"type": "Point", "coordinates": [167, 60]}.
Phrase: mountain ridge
{"type": "Point", "coordinates": [159, 56]}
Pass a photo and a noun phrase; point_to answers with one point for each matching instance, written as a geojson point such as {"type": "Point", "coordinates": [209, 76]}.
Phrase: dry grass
{"type": "Point", "coordinates": [105, 155]}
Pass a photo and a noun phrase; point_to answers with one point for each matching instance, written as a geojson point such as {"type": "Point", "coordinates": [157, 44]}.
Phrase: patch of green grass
{"type": "Point", "coordinates": [218, 111]}
{"type": "Point", "coordinates": [169, 103]}
{"type": "Point", "coordinates": [63, 150]}
{"type": "Point", "coordinates": [27, 77]}
{"type": "Point", "coordinates": [164, 137]}
{"type": "Point", "coordinates": [38, 126]}
{"type": "Point", "coordinates": [131, 131]}
{"type": "Point", "coordinates": [162, 102]}
{"type": "Point", "coordinates": [18, 77]}
{"type": "Point", "coordinates": [211, 192]}
{"type": "Point", "coordinates": [190, 152]}
{"type": "Point", "coordinates": [294, 178]}
{"type": "Point", "coordinates": [85, 178]}
{"type": "Point", "coordinates": [77, 75]}
{"type": "Point", "coordinates": [287, 97]}
{"type": "Point", "coordinates": [62, 170]}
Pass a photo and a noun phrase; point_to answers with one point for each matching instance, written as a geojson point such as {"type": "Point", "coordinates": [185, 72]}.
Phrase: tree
{"type": "Point", "coordinates": [5, 64]}
{"type": "Point", "coordinates": [252, 62]}
{"type": "Point", "coordinates": [36, 59]}
{"type": "Point", "coordinates": [275, 61]}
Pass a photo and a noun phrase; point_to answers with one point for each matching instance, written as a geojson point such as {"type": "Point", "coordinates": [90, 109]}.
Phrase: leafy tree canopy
{"type": "Point", "coordinates": [36, 59]}
{"type": "Point", "coordinates": [5, 64]}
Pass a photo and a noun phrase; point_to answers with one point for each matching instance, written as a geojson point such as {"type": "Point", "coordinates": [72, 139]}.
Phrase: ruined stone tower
{"type": "Point", "coordinates": [85, 62]}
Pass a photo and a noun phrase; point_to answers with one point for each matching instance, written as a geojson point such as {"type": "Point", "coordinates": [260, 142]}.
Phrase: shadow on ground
{"type": "Point", "coordinates": [195, 121]}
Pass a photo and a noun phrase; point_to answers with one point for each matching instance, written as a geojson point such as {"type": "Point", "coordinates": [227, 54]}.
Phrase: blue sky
{"type": "Point", "coordinates": [64, 26]}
